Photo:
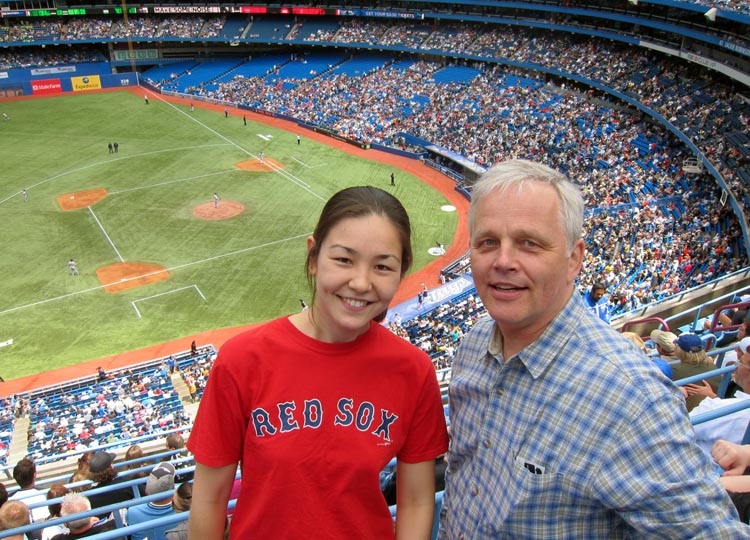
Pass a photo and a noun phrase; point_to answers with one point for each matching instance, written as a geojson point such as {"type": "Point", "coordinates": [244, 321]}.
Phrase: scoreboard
{"type": "Point", "coordinates": [211, 10]}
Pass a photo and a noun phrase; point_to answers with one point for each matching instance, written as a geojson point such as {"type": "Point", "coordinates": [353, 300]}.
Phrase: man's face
{"type": "Point", "coordinates": [597, 294]}
{"type": "Point", "coordinates": [742, 373]}
{"type": "Point", "coordinates": [522, 267]}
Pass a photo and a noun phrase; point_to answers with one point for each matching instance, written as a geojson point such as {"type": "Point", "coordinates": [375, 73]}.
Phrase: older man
{"type": "Point", "coordinates": [559, 427]}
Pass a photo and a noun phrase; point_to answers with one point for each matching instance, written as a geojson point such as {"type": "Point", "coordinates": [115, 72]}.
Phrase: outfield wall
{"type": "Point", "coordinates": [56, 79]}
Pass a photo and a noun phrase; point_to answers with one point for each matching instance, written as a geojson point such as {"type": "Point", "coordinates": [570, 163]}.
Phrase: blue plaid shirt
{"type": "Point", "coordinates": [577, 436]}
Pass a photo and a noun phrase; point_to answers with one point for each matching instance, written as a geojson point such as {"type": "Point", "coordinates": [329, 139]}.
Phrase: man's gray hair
{"type": "Point", "coordinates": [75, 503]}
{"type": "Point", "coordinates": [520, 172]}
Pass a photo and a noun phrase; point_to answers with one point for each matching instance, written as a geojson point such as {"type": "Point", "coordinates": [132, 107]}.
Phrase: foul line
{"type": "Point", "coordinates": [178, 267]}
{"type": "Point", "coordinates": [292, 178]}
{"type": "Point", "coordinates": [111, 243]}
{"type": "Point", "coordinates": [306, 165]}
{"type": "Point", "coordinates": [138, 313]}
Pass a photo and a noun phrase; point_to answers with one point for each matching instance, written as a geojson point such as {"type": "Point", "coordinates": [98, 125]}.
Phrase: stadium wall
{"type": "Point", "coordinates": [68, 78]}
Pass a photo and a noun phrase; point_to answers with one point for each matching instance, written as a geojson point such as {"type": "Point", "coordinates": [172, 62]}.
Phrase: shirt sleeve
{"type": "Point", "coordinates": [428, 435]}
{"type": "Point", "coordinates": [217, 437]}
{"type": "Point", "coordinates": [659, 481]}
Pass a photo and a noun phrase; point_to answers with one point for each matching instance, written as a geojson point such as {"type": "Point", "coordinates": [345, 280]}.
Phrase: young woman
{"type": "Point", "coordinates": [314, 405]}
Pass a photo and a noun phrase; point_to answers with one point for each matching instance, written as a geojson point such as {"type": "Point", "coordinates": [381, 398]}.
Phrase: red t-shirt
{"type": "Point", "coordinates": [313, 424]}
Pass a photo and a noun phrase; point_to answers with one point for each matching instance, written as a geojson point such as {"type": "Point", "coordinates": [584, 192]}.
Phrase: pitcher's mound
{"type": "Point", "coordinates": [226, 210]}
{"type": "Point", "coordinates": [128, 275]}
{"type": "Point", "coordinates": [267, 165]}
{"type": "Point", "coordinates": [81, 199]}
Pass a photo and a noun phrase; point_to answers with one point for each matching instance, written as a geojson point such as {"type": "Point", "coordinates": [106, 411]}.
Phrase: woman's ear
{"type": "Point", "coordinates": [312, 255]}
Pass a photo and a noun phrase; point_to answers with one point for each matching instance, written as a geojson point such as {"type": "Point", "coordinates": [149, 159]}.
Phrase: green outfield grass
{"type": "Point", "coordinates": [249, 268]}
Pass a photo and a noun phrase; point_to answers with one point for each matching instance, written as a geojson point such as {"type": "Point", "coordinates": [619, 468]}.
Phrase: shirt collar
{"type": "Point", "coordinates": [540, 354]}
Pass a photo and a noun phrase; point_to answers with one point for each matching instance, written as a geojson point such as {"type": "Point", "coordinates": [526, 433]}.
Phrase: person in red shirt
{"type": "Point", "coordinates": [314, 405]}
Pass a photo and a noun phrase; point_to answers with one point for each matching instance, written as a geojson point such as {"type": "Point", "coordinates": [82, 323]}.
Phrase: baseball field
{"type": "Point", "coordinates": [157, 256]}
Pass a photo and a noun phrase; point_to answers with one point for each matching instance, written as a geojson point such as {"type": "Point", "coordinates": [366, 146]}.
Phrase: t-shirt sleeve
{"type": "Point", "coordinates": [217, 438]}
{"type": "Point", "coordinates": [428, 436]}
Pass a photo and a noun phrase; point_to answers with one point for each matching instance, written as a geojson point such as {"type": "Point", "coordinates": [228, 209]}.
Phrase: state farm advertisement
{"type": "Point", "coordinates": [46, 86]}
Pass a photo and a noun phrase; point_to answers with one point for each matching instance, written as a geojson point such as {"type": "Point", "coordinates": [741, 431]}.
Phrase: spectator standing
{"type": "Point", "coordinates": [171, 364]}
{"type": "Point", "coordinates": [280, 396]}
{"type": "Point", "coordinates": [543, 396]}
{"type": "Point", "coordinates": [597, 302]}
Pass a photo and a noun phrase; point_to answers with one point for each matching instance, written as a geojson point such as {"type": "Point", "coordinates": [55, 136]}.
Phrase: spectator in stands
{"type": "Point", "coordinates": [175, 441]}
{"type": "Point", "coordinates": [24, 473]}
{"type": "Point", "coordinates": [543, 397]}
{"type": "Point", "coordinates": [636, 340]}
{"type": "Point", "coordinates": [14, 514]}
{"type": "Point", "coordinates": [3, 494]}
{"type": "Point", "coordinates": [81, 473]}
{"type": "Point", "coordinates": [279, 399]}
{"type": "Point", "coordinates": [664, 343]}
{"type": "Point", "coordinates": [103, 474]}
{"type": "Point", "coordinates": [81, 527]}
{"type": "Point", "coordinates": [732, 426]}
{"type": "Point", "coordinates": [183, 497]}
{"type": "Point", "coordinates": [136, 452]}
{"type": "Point", "coordinates": [160, 481]}
{"type": "Point", "coordinates": [55, 491]}
{"type": "Point", "coordinates": [693, 361]}
{"type": "Point", "coordinates": [597, 302]}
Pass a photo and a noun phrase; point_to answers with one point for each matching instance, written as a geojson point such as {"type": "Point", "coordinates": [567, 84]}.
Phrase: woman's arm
{"type": "Point", "coordinates": [415, 489]}
{"type": "Point", "coordinates": [208, 511]}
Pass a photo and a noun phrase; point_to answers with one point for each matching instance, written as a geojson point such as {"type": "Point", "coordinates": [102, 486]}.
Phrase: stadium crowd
{"type": "Point", "coordinates": [606, 148]}
{"type": "Point", "coordinates": [656, 232]}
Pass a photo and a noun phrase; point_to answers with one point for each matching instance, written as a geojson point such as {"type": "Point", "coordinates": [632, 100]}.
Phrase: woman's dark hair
{"type": "Point", "coordinates": [361, 201]}
{"type": "Point", "coordinates": [55, 491]}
